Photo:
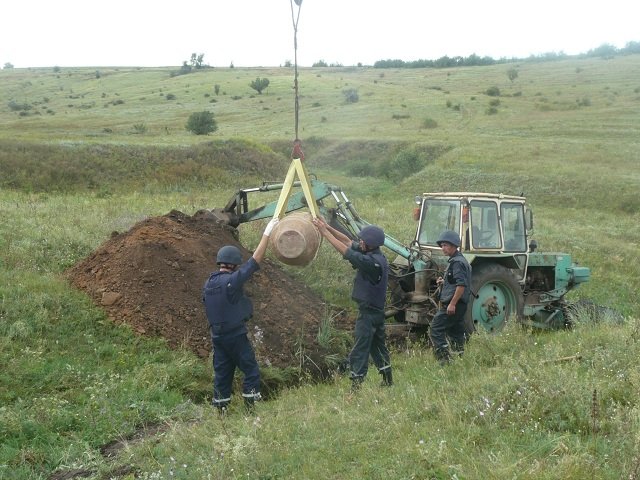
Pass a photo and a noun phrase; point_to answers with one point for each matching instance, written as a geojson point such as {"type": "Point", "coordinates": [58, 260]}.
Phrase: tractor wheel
{"type": "Point", "coordinates": [499, 298]}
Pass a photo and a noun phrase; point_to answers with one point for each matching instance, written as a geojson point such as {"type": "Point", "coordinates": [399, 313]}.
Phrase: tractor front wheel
{"type": "Point", "coordinates": [499, 297]}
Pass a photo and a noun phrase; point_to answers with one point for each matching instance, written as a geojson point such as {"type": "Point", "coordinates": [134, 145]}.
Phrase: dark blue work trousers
{"type": "Point", "coordinates": [448, 327]}
{"type": "Point", "coordinates": [370, 339]}
{"type": "Point", "coordinates": [230, 352]}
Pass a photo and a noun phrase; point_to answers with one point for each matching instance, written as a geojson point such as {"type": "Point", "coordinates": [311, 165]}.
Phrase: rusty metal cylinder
{"type": "Point", "coordinates": [295, 240]}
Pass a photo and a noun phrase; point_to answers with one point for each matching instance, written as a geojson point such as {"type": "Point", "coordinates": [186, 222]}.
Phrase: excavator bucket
{"type": "Point", "coordinates": [224, 216]}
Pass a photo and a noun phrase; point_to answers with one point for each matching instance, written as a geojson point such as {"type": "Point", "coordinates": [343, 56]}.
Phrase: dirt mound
{"type": "Point", "coordinates": [151, 278]}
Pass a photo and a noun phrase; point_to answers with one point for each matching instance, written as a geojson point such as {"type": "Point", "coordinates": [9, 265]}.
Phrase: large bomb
{"type": "Point", "coordinates": [295, 240]}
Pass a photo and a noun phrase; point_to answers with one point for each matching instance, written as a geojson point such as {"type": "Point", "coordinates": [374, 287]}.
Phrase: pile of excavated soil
{"type": "Point", "coordinates": [151, 278]}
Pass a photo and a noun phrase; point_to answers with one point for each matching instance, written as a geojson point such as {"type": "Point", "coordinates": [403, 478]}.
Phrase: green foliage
{"type": "Point", "coordinates": [140, 128]}
{"type": "Point", "coordinates": [19, 107]}
{"type": "Point", "coordinates": [72, 381]}
{"type": "Point", "coordinates": [69, 392]}
{"type": "Point", "coordinates": [201, 123]}
{"type": "Point", "coordinates": [351, 95]}
{"type": "Point", "coordinates": [55, 168]}
{"type": "Point", "coordinates": [493, 91]}
{"type": "Point", "coordinates": [320, 63]}
{"type": "Point", "coordinates": [429, 123]}
{"type": "Point", "coordinates": [197, 61]}
{"type": "Point", "coordinates": [405, 163]}
{"type": "Point", "coordinates": [259, 84]}
{"type": "Point", "coordinates": [512, 74]}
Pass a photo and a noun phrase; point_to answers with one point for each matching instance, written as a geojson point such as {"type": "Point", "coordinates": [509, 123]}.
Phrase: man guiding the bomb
{"type": "Point", "coordinates": [369, 292]}
{"type": "Point", "coordinates": [228, 309]}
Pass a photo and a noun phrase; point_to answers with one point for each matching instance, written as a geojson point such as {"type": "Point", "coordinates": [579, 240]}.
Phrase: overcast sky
{"type": "Point", "coordinates": [43, 33]}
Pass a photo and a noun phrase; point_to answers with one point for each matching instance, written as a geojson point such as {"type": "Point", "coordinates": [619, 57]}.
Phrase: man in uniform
{"type": "Point", "coordinates": [228, 310]}
{"type": "Point", "coordinates": [369, 292]}
{"type": "Point", "coordinates": [455, 288]}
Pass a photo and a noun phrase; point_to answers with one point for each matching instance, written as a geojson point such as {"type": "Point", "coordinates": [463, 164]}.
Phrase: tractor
{"type": "Point", "coordinates": [510, 279]}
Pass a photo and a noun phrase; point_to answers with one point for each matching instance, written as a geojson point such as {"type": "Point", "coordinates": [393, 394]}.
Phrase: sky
{"type": "Point", "coordinates": [251, 33]}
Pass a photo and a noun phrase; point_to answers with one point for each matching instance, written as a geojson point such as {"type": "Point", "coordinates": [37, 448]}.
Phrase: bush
{"type": "Point", "coordinates": [493, 91]}
{"type": "Point", "coordinates": [201, 123]}
{"type": "Point", "coordinates": [259, 84]}
{"type": "Point", "coordinates": [17, 107]}
{"type": "Point", "coordinates": [139, 128]}
{"type": "Point", "coordinates": [406, 163]}
{"type": "Point", "coordinates": [429, 123]}
{"type": "Point", "coordinates": [351, 95]}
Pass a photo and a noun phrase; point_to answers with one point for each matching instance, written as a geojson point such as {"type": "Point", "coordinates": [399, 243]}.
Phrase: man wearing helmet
{"type": "Point", "coordinates": [369, 292]}
{"type": "Point", "coordinates": [455, 287]}
{"type": "Point", "coordinates": [228, 310]}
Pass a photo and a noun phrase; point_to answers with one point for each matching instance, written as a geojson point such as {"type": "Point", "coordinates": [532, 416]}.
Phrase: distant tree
{"type": "Point", "coordinates": [8, 66]}
{"type": "Point", "coordinates": [512, 73]}
{"type": "Point", "coordinates": [98, 74]}
{"type": "Point", "coordinates": [216, 89]}
{"type": "Point", "coordinates": [493, 91]}
{"type": "Point", "coordinates": [201, 123]}
{"type": "Point", "coordinates": [259, 84]}
{"type": "Point", "coordinates": [231, 66]}
{"type": "Point", "coordinates": [632, 47]}
{"type": "Point", "coordinates": [320, 63]}
{"type": "Point", "coordinates": [56, 69]}
{"type": "Point", "coordinates": [288, 64]}
{"type": "Point", "coordinates": [197, 61]}
{"type": "Point", "coordinates": [605, 51]}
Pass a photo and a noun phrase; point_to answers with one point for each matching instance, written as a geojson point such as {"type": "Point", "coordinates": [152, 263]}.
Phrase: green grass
{"type": "Point", "coordinates": [565, 134]}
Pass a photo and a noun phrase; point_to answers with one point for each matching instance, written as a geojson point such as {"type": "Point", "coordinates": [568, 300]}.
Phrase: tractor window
{"type": "Point", "coordinates": [485, 231]}
{"type": "Point", "coordinates": [513, 224]}
{"type": "Point", "coordinates": [437, 216]}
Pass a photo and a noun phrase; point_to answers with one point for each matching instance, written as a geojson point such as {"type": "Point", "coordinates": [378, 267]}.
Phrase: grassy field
{"type": "Point", "coordinates": [84, 152]}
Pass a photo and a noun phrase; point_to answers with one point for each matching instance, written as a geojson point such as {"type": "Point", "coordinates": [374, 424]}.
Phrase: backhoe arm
{"type": "Point", "coordinates": [342, 216]}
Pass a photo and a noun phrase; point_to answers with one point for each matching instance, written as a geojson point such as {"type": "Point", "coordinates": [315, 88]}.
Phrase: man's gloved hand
{"type": "Point", "coordinates": [272, 223]}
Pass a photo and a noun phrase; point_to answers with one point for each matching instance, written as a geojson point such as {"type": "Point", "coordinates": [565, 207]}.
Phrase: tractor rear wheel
{"type": "Point", "coordinates": [499, 298]}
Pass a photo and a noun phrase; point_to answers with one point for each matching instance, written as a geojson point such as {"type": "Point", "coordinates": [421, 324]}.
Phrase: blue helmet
{"type": "Point", "coordinates": [373, 236]}
{"type": "Point", "coordinates": [229, 254]}
{"type": "Point", "coordinates": [449, 236]}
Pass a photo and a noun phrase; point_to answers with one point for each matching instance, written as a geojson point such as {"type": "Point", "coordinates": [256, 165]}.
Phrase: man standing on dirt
{"type": "Point", "coordinates": [455, 287]}
{"type": "Point", "coordinates": [228, 310]}
{"type": "Point", "coordinates": [369, 292]}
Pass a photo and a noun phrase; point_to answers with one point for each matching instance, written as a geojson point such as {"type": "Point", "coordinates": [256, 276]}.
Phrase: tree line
{"type": "Point", "coordinates": [604, 51]}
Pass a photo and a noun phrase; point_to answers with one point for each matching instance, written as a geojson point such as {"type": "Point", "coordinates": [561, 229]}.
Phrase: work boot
{"type": "Point", "coordinates": [249, 405]}
{"type": "Point", "coordinates": [387, 377]}
{"type": "Point", "coordinates": [443, 356]}
{"type": "Point", "coordinates": [457, 349]}
{"type": "Point", "coordinates": [356, 383]}
{"type": "Point", "coordinates": [343, 366]}
{"type": "Point", "coordinates": [250, 402]}
{"type": "Point", "coordinates": [222, 407]}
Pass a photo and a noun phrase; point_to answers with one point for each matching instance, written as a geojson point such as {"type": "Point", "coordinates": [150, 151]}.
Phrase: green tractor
{"type": "Point", "coordinates": [510, 279]}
